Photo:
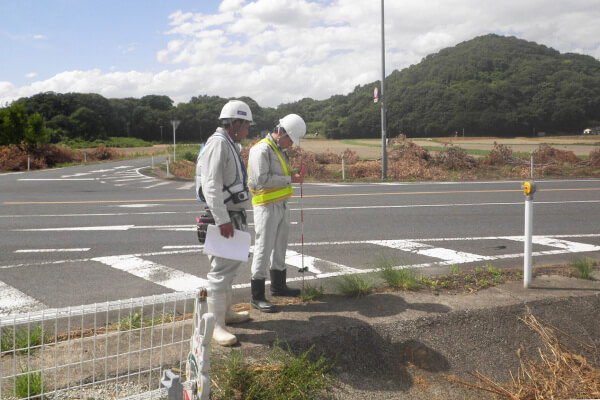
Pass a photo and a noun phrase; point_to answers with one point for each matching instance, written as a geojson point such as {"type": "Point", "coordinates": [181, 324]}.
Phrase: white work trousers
{"type": "Point", "coordinates": [223, 270]}
{"type": "Point", "coordinates": [271, 224]}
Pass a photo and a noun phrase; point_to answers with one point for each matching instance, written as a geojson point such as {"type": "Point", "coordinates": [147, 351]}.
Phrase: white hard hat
{"type": "Point", "coordinates": [294, 126]}
{"type": "Point", "coordinates": [236, 109]}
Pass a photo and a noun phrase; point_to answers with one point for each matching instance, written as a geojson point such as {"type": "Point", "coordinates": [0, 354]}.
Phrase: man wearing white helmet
{"type": "Point", "coordinates": [221, 182]}
{"type": "Point", "coordinates": [270, 181]}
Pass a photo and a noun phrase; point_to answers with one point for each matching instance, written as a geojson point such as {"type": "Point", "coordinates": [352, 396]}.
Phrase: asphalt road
{"type": "Point", "coordinates": [93, 233]}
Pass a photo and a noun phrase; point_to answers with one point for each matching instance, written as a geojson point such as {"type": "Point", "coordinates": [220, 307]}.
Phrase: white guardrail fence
{"type": "Point", "coordinates": [112, 350]}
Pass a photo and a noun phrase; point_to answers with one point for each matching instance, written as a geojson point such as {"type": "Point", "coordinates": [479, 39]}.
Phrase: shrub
{"type": "Point", "coordinates": [454, 158]}
{"type": "Point", "coordinates": [500, 155]}
{"type": "Point", "coordinates": [546, 154]}
{"type": "Point", "coordinates": [102, 153]}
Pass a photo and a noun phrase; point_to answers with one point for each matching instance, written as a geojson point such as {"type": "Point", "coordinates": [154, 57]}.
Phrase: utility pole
{"type": "Point", "coordinates": [161, 139]}
{"type": "Point", "coordinates": [175, 124]}
{"type": "Point", "coordinates": [383, 118]}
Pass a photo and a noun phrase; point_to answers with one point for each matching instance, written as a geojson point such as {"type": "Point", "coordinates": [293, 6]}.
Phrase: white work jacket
{"type": "Point", "coordinates": [218, 167]}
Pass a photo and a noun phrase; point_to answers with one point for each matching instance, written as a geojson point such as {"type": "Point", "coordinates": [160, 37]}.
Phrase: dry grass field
{"type": "Point", "coordinates": [371, 148]}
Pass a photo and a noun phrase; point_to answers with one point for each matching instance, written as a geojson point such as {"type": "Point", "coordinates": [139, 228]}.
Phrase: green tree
{"type": "Point", "coordinates": [14, 124]}
{"type": "Point", "coordinates": [87, 124]}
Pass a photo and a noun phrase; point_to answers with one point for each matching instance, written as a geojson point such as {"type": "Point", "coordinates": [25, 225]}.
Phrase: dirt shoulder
{"type": "Point", "coordinates": [411, 345]}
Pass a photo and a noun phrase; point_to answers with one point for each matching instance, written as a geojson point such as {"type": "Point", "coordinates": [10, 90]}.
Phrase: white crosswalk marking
{"type": "Point", "coordinates": [156, 273]}
{"type": "Point", "coordinates": [574, 247]}
{"type": "Point", "coordinates": [294, 259]}
{"type": "Point", "coordinates": [14, 301]}
{"type": "Point", "coordinates": [448, 255]}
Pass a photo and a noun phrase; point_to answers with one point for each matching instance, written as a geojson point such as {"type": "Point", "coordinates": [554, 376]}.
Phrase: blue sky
{"type": "Point", "coordinates": [274, 51]}
{"type": "Point", "coordinates": [46, 37]}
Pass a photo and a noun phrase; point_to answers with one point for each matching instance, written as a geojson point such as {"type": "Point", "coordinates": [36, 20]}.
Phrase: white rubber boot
{"type": "Point", "coordinates": [217, 305]}
{"type": "Point", "coordinates": [232, 317]}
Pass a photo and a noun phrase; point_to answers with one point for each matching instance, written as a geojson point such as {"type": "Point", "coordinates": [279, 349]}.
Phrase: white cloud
{"type": "Point", "coordinates": [283, 50]}
{"type": "Point", "coordinates": [39, 37]}
{"type": "Point", "coordinates": [31, 75]}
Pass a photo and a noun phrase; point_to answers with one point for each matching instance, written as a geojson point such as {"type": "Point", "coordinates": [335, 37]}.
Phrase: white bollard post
{"type": "Point", "coordinates": [531, 167]}
{"type": "Point", "coordinates": [152, 161]}
{"type": "Point", "coordinates": [168, 162]}
{"type": "Point", "coordinates": [28, 162]}
{"type": "Point", "coordinates": [343, 169]}
{"type": "Point", "coordinates": [84, 157]}
{"type": "Point", "coordinates": [528, 189]}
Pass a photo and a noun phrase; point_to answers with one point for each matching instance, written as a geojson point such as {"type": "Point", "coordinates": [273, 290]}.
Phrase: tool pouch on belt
{"type": "Point", "coordinates": [238, 220]}
{"type": "Point", "coordinates": [202, 223]}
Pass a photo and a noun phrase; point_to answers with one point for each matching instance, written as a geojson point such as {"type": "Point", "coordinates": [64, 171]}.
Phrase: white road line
{"type": "Point", "coordinates": [98, 214]}
{"type": "Point", "coordinates": [156, 273]}
{"type": "Point", "coordinates": [520, 203]}
{"type": "Point", "coordinates": [194, 249]}
{"type": "Point", "coordinates": [142, 205]}
{"type": "Point", "coordinates": [56, 179]}
{"type": "Point", "coordinates": [294, 259]}
{"type": "Point", "coordinates": [573, 247]}
{"type": "Point", "coordinates": [14, 301]}
{"type": "Point", "coordinates": [191, 246]}
{"type": "Point", "coordinates": [52, 250]}
{"type": "Point", "coordinates": [448, 255]}
{"type": "Point", "coordinates": [80, 228]}
{"type": "Point", "coordinates": [187, 186]}
{"type": "Point", "coordinates": [137, 178]}
{"type": "Point", "coordinates": [156, 185]}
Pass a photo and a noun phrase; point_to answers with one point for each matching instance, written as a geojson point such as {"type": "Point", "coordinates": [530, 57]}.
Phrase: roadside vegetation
{"type": "Point", "coordinates": [283, 375]}
{"type": "Point", "coordinates": [560, 373]}
{"type": "Point", "coordinates": [408, 161]}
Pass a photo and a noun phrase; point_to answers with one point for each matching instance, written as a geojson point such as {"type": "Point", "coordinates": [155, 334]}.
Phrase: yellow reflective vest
{"type": "Point", "coordinates": [261, 197]}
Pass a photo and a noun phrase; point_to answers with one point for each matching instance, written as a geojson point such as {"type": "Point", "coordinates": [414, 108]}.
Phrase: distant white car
{"type": "Point", "coordinates": [587, 131]}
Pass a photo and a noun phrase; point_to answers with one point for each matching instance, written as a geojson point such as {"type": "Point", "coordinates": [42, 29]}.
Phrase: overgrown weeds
{"type": "Point", "coordinates": [584, 267]}
{"type": "Point", "coordinates": [282, 376]}
{"type": "Point", "coordinates": [560, 373]}
{"type": "Point", "coordinates": [355, 285]}
{"type": "Point", "coordinates": [22, 340]}
{"type": "Point", "coordinates": [398, 278]}
{"type": "Point", "coordinates": [311, 293]}
{"type": "Point", "coordinates": [29, 385]}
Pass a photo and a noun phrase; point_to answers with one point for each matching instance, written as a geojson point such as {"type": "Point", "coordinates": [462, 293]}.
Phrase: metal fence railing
{"type": "Point", "coordinates": [117, 349]}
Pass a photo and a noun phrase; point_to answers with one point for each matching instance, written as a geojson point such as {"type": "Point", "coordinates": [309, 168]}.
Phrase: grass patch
{"type": "Point", "coordinates": [311, 292]}
{"type": "Point", "coordinates": [121, 142]}
{"type": "Point", "coordinates": [22, 339]}
{"type": "Point", "coordinates": [354, 285]}
{"type": "Point", "coordinates": [405, 278]}
{"type": "Point", "coordinates": [282, 376]}
{"type": "Point", "coordinates": [473, 152]}
{"type": "Point", "coordinates": [584, 267]}
{"type": "Point", "coordinates": [29, 386]}
{"type": "Point", "coordinates": [137, 321]}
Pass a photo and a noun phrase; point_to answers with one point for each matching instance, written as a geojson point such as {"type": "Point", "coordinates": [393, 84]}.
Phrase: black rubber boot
{"type": "Point", "coordinates": [279, 287]}
{"type": "Point", "coordinates": [257, 286]}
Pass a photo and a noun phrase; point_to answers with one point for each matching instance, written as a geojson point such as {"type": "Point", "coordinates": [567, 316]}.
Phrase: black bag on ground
{"type": "Point", "coordinates": [202, 223]}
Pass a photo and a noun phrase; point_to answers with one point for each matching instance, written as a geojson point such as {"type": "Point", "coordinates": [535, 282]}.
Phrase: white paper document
{"type": "Point", "coordinates": [233, 248]}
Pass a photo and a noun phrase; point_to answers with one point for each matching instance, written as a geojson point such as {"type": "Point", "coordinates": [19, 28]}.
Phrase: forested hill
{"type": "Point", "coordinates": [491, 85]}
{"type": "Point", "coordinates": [488, 86]}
